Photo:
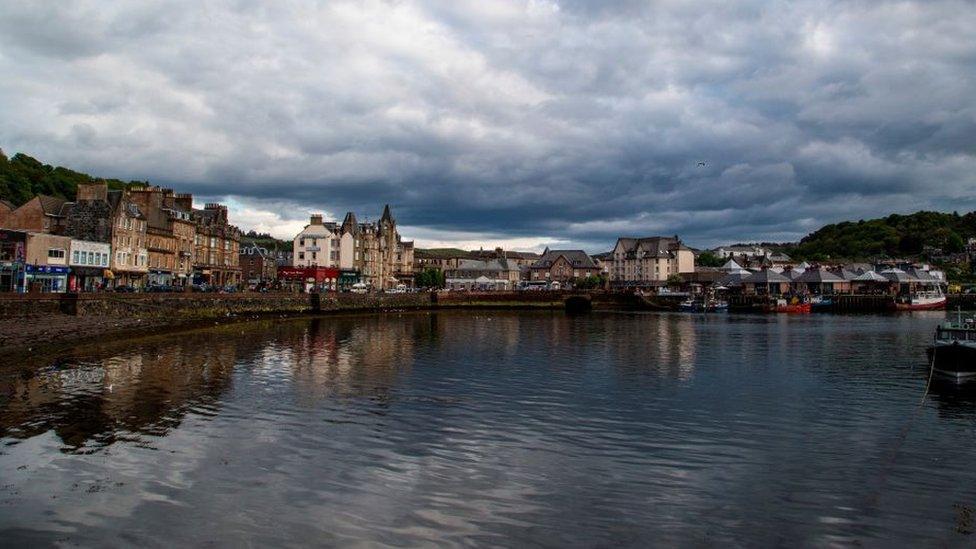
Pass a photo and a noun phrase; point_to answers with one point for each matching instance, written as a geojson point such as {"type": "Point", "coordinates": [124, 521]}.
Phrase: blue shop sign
{"type": "Point", "coordinates": [47, 269]}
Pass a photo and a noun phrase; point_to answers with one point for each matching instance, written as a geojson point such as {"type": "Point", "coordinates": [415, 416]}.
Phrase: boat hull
{"type": "Point", "coordinates": [953, 359]}
{"type": "Point", "coordinates": [792, 308]}
{"type": "Point", "coordinates": [923, 305]}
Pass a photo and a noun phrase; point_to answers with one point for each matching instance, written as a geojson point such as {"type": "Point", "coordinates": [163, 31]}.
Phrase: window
{"type": "Point", "coordinates": [74, 256]}
{"type": "Point", "coordinates": [91, 258]}
{"type": "Point", "coordinates": [55, 253]}
{"type": "Point", "coordinates": [301, 255]}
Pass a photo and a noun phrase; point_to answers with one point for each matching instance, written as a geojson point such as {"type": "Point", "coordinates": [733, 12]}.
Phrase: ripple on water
{"type": "Point", "coordinates": [501, 428]}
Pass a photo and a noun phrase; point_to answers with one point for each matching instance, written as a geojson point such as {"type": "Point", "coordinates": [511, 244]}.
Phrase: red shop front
{"type": "Point", "coordinates": [309, 278]}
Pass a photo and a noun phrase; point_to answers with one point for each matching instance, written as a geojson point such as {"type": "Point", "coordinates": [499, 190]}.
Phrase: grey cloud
{"type": "Point", "coordinates": [572, 120]}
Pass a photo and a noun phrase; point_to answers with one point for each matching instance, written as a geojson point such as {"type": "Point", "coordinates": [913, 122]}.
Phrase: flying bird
{"type": "Point", "coordinates": [702, 163]}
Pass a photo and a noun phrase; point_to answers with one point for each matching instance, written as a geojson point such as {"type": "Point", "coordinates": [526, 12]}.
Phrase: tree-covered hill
{"type": "Point", "coordinates": [22, 177]}
{"type": "Point", "coordinates": [267, 241]}
{"type": "Point", "coordinates": [892, 236]}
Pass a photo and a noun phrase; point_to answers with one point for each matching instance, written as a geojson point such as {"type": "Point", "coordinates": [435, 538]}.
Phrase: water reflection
{"type": "Point", "coordinates": [492, 428]}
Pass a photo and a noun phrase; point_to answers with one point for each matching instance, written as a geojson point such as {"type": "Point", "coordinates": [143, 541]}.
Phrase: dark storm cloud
{"type": "Point", "coordinates": [574, 121]}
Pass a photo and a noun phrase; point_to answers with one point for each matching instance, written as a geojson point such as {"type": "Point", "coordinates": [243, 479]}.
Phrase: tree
{"type": "Point", "coordinates": [591, 282]}
{"type": "Point", "coordinates": [429, 278]}
{"type": "Point", "coordinates": [708, 259]}
{"type": "Point", "coordinates": [675, 280]}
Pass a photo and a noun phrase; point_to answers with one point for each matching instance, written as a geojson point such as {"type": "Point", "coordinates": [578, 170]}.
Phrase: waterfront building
{"type": "Point", "coordinates": [46, 262]}
{"type": "Point", "coordinates": [487, 274]}
{"type": "Point", "coordinates": [562, 266]}
{"type": "Point", "coordinates": [748, 251]}
{"type": "Point", "coordinates": [100, 215]}
{"type": "Point", "coordinates": [88, 261]}
{"type": "Point", "coordinates": [6, 207]}
{"type": "Point", "coordinates": [13, 258]}
{"type": "Point", "coordinates": [649, 261]}
{"type": "Point", "coordinates": [371, 252]}
{"type": "Point", "coordinates": [217, 247]}
{"type": "Point", "coordinates": [317, 244]}
{"type": "Point", "coordinates": [170, 234]}
{"type": "Point", "coordinates": [820, 281]}
{"type": "Point", "coordinates": [258, 264]}
{"type": "Point", "coordinates": [766, 282]}
{"type": "Point", "coordinates": [41, 214]}
{"type": "Point", "coordinates": [439, 259]}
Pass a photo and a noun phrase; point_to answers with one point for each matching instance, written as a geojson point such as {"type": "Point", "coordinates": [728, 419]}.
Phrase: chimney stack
{"type": "Point", "coordinates": [316, 219]}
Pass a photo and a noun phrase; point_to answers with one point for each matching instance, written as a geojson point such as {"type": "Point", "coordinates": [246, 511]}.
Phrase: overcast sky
{"type": "Point", "coordinates": [519, 123]}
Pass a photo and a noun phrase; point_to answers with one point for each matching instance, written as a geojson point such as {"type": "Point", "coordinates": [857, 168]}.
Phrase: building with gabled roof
{"type": "Point", "coordinates": [41, 214]}
{"type": "Point", "coordinates": [649, 261]}
{"type": "Point", "coordinates": [372, 252]}
{"type": "Point", "coordinates": [562, 266]}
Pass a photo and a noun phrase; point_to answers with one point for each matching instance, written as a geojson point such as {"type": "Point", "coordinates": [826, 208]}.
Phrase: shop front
{"type": "Point", "coordinates": [46, 278]}
{"type": "Point", "coordinates": [159, 277]}
{"type": "Point", "coordinates": [347, 278]}
{"type": "Point", "coordinates": [309, 279]}
{"type": "Point", "coordinates": [12, 260]}
{"type": "Point", "coordinates": [87, 279]}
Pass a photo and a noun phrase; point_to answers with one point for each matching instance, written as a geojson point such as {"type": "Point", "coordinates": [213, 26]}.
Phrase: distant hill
{"type": "Point", "coordinates": [265, 240]}
{"type": "Point", "coordinates": [892, 236]}
{"type": "Point", "coordinates": [22, 177]}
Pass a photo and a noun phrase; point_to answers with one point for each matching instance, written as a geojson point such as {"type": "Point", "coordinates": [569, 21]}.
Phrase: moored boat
{"type": "Point", "coordinates": [794, 305]}
{"type": "Point", "coordinates": [921, 301]}
{"type": "Point", "coordinates": [953, 353]}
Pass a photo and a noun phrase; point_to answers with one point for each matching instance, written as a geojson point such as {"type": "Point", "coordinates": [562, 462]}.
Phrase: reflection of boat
{"type": "Point", "coordinates": [794, 305]}
{"type": "Point", "coordinates": [703, 306]}
{"type": "Point", "coordinates": [953, 352]}
{"type": "Point", "coordinates": [922, 301]}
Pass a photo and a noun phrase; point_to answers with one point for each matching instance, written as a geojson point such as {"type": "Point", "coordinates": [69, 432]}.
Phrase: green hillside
{"type": "Point", "coordinates": [892, 236]}
{"type": "Point", "coordinates": [22, 177]}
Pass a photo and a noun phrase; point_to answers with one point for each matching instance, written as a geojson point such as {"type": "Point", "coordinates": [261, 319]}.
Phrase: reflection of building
{"type": "Point", "coordinates": [374, 250]}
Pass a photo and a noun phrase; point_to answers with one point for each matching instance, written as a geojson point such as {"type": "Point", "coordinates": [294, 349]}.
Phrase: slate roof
{"type": "Point", "coordinates": [765, 277]}
{"type": "Point", "coordinates": [652, 246]}
{"type": "Point", "coordinates": [576, 258]}
{"type": "Point", "coordinates": [818, 275]}
{"type": "Point", "coordinates": [499, 265]}
{"type": "Point", "coordinates": [51, 205]}
{"type": "Point", "coordinates": [870, 276]}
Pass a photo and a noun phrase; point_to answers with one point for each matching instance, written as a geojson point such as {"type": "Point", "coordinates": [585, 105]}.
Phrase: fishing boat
{"type": "Point", "coordinates": [921, 301]}
{"type": "Point", "coordinates": [794, 305]}
{"type": "Point", "coordinates": [821, 303]}
{"type": "Point", "coordinates": [953, 353]}
{"type": "Point", "coordinates": [703, 306]}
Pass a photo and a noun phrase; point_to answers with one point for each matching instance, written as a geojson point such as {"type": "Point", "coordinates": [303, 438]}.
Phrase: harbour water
{"type": "Point", "coordinates": [487, 428]}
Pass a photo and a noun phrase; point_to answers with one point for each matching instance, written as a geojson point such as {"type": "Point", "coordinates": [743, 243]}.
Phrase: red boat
{"type": "Point", "coordinates": [921, 301]}
{"type": "Point", "coordinates": [794, 306]}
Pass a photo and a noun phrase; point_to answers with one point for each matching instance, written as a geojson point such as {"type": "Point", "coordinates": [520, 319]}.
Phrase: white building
{"type": "Point", "coordinates": [749, 251]}
{"type": "Point", "coordinates": [317, 245]}
{"type": "Point", "coordinates": [89, 261]}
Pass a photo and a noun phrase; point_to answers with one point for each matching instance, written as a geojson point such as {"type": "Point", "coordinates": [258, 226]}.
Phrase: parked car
{"type": "Point", "coordinates": [124, 289]}
{"type": "Point", "coordinates": [202, 288]}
